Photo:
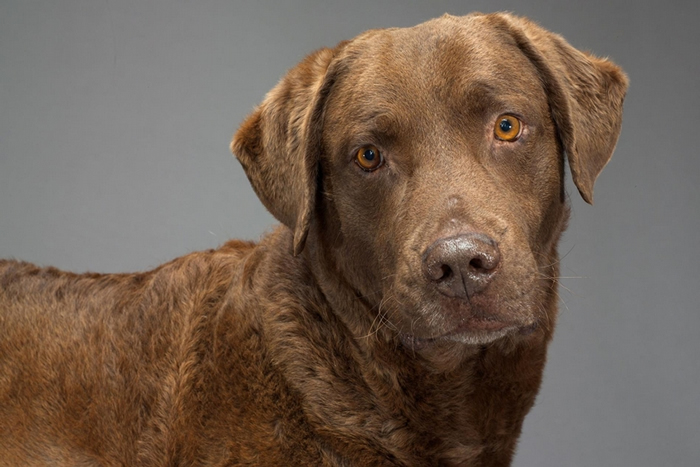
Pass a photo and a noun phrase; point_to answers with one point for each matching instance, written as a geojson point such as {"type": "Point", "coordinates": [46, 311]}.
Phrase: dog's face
{"type": "Point", "coordinates": [448, 220]}
{"type": "Point", "coordinates": [429, 164]}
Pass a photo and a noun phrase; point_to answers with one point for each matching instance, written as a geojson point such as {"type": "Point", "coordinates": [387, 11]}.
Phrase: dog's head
{"type": "Point", "coordinates": [428, 163]}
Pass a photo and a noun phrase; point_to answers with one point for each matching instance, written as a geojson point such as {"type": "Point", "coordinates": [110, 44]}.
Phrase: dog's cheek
{"type": "Point", "coordinates": [531, 176]}
{"type": "Point", "coordinates": [405, 234]}
{"type": "Point", "coordinates": [361, 205]}
{"type": "Point", "coordinates": [546, 203]}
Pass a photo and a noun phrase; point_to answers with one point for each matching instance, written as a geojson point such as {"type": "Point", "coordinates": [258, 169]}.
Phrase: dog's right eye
{"type": "Point", "coordinates": [508, 128]}
{"type": "Point", "coordinates": [369, 158]}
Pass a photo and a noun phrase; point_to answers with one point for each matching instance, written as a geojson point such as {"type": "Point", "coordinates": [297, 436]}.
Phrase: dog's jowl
{"type": "Point", "coordinates": [400, 315]}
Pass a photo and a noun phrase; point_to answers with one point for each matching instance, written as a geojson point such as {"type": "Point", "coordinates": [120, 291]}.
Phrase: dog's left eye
{"type": "Point", "coordinates": [508, 128]}
{"type": "Point", "coordinates": [369, 158]}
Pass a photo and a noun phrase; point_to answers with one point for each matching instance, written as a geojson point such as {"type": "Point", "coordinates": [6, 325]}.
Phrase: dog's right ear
{"type": "Point", "coordinates": [279, 144]}
{"type": "Point", "coordinates": [585, 92]}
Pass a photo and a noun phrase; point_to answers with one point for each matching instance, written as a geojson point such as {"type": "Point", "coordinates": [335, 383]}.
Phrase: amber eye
{"type": "Point", "coordinates": [507, 128]}
{"type": "Point", "coordinates": [369, 158]}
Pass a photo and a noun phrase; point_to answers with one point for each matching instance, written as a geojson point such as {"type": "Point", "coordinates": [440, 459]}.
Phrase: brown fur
{"type": "Point", "coordinates": [325, 344]}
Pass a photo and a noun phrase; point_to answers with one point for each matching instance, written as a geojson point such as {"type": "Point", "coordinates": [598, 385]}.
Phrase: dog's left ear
{"type": "Point", "coordinates": [279, 144]}
{"type": "Point", "coordinates": [585, 96]}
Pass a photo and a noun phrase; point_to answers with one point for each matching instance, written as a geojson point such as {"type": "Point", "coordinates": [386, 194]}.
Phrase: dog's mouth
{"type": "Point", "coordinates": [473, 331]}
{"type": "Point", "coordinates": [425, 315]}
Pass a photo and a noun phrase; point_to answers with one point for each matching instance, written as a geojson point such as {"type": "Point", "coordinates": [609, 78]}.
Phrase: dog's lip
{"type": "Point", "coordinates": [480, 324]}
{"type": "Point", "coordinates": [473, 328]}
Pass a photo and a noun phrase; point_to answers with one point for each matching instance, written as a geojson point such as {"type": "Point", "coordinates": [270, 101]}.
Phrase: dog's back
{"type": "Point", "coordinates": [102, 359]}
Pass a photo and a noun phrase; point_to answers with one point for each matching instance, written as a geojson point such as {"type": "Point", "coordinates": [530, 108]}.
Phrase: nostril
{"type": "Point", "coordinates": [483, 263]}
{"type": "Point", "coordinates": [438, 271]}
{"type": "Point", "coordinates": [446, 271]}
{"type": "Point", "coordinates": [477, 264]}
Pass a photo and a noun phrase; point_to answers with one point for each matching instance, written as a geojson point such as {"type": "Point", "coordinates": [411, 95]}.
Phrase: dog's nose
{"type": "Point", "coordinates": [462, 265]}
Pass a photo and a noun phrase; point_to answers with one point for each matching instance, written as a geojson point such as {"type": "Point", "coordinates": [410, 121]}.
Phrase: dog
{"type": "Point", "coordinates": [399, 315]}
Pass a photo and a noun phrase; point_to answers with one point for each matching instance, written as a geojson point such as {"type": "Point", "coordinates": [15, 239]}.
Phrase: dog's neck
{"type": "Point", "coordinates": [391, 393]}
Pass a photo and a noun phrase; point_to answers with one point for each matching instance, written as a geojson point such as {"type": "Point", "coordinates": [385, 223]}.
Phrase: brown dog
{"type": "Point", "coordinates": [399, 317]}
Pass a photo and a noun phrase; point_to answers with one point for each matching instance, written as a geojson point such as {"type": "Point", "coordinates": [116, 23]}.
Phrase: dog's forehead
{"type": "Point", "coordinates": [448, 56]}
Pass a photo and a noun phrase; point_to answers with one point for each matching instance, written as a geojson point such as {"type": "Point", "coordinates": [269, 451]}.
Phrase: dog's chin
{"type": "Point", "coordinates": [473, 332]}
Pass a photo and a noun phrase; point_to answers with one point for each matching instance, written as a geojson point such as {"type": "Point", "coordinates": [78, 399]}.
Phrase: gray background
{"type": "Point", "coordinates": [115, 119]}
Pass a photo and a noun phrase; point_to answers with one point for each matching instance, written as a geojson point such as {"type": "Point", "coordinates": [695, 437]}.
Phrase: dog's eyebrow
{"type": "Point", "coordinates": [481, 97]}
{"type": "Point", "coordinates": [467, 92]}
{"type": "Point", "coordinates": [383, 122]}
{"type": "Point", "coordinates": [379, 120]}
{"type": "Point", "coordinates": [379, 126]}
{"type": "Point", "coordinates": [480, 89]}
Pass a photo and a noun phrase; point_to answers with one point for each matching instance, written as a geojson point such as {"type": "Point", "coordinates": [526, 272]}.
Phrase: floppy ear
{"type": "Point", "coordinates": [278, 145]}
{"type": "Point", "coordinates": [585, 96]}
